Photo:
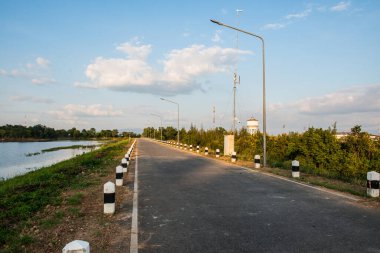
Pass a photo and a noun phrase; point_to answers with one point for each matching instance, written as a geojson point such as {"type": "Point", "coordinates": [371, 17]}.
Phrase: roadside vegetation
{"type": "Point", "coordinates": [319, 151]}
{"type": "Point", "coordinates": [23, 196]}
{"type": "Point", "coordinates": [41, 132]}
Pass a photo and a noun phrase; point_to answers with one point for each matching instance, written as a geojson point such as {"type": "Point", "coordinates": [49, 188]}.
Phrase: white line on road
{"type": "Point", "coordinates": [134, 228]}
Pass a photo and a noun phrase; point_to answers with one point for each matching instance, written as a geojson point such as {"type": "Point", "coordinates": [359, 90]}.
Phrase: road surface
{"type": "Point", "coordinates": [188, 203]}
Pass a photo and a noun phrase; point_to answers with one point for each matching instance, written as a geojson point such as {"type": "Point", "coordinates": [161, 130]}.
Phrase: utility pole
{"type": "Point", "coordinates": [236, 76]}
{"type": "Point", "coordinates": [213, 118]}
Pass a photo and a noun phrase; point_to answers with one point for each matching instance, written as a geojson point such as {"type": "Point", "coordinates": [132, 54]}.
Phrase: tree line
{"type": "Point", "coordinates": [44, 132]}
{"type": "Point", "coordinates": [319, 151]}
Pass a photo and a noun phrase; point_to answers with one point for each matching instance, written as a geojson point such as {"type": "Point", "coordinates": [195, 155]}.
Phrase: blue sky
{"type": "Point", "coordinates": [105, 64]}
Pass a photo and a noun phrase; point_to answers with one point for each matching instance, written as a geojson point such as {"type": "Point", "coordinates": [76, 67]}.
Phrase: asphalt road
{"type": "Point", "coordinates": [192, 204]}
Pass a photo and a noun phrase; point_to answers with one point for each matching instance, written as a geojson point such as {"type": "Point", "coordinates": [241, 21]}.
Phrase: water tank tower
{"type": "Point", "coordinates": [252, 125]}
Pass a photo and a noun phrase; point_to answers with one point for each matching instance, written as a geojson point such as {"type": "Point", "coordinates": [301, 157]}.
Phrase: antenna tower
{"type": "Point", "coordinates": [236, 76]}
{"type": "Point", "coordinates": [213, 118]}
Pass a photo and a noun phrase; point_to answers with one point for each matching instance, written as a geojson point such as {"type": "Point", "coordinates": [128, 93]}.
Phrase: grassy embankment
{"type": "Point", "coordinates": [63, 147]}
{"type": "Point", "coordinates": [23, 196]}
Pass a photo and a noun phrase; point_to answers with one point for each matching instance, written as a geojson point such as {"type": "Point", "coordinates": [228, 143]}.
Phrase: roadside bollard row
{"type": "Point", "coordinates": [109, 188]}
{"type": "Point", "coordinates": [109, 191]}
{"type": "Point", "coordinates": [373, 177]}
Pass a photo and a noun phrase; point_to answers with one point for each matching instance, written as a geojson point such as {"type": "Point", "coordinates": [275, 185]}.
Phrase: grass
{"type": "Point", "coordinates": [75, 199]}
{"type": "Point", "coordinates": [75, 211]}
{"type": "Point", "coordinates": [67, 147]}
{"type": "Point", "coordinates": [23, 196]}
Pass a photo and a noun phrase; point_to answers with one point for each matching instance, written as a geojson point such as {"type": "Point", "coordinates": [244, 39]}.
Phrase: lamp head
{"type": "Point", "coordinates": [216, 22]}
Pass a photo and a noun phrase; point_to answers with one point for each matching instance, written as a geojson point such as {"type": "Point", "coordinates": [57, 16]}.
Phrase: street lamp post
{"type": "Point", "coordinates": [167, 100]}
{"type": "Point", "coordinates": [161, 121]}
{"type": "Point", "coordinates": [264, 102]}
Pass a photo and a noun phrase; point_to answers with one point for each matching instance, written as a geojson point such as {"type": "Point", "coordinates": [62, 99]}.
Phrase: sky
{"type": "Point", "coordinates": [106, 64]}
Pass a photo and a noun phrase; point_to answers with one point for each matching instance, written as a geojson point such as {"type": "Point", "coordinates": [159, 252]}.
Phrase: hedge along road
{"type": "Point", "coordinates": [188, 203]}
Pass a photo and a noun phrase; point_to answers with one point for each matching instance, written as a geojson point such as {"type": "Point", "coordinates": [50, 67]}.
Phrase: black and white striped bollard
{"type": "Point", "coordinates": [373, 179]}
{"type": "Point", "coordinates": [119, 175]}
{"type": "Point", "coordinates": [198, 149]}
{"type": "Point", "coordinates": [217, 152]}
{"type": "Point", "coordinates": [77, 246]}
{"type": "Point", "coordinates": [109, 198]}
{"type": "Point", "coordinates": [233, 157]}
{"type": "Point", "coordinates": [257, 161]}
{"type": "Point", "coordinates": [206, 150]}
{"type": "Point", "coordinates": [295, 168]}
{"type": "Point", "coordinates": [124, 164]}
{"type": "Point", "coordinates": [191, 147]}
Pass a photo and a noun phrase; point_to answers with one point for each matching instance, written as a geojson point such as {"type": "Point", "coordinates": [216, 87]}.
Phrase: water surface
{"type": "Point", "coordinates": [14, 158]}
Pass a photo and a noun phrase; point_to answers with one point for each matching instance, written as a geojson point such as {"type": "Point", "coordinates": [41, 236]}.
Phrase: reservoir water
{"type": "Point", "coordinates": [18, 158]}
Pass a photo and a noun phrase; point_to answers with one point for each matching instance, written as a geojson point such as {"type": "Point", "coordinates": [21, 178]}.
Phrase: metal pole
{"type": "Point", "coordinates": [160, 120]}
{"type": "Point", "coordinates": [264, 111]}
{"type": "Point", "coordinates": [164, 99]}
{"type": "Point", "coordinates": [161, 128]}
{"type": "Point", "coordinates": [178, 124]}
{"type": "Point", "coordinates": [264, 100]}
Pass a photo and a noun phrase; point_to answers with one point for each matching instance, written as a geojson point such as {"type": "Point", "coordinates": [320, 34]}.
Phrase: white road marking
{"type": "Point", "coordinates": [352, 198]}
{"type": "Point", "coordinates": [134, 228]}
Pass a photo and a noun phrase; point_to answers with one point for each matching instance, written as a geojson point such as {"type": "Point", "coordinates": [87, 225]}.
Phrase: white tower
{"type": "Point", "coordinates": [252, 125]}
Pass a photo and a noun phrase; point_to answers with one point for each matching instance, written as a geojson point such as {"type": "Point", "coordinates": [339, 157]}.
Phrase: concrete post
{"type": "Point", "coordinates": [109, 198]}
{"type": "Point", "coordinates": [124, 164]}
{"type": "Point", "coordinates": [257, 161]}
{"type": "Point", "coordinates": [373, 179]}
{"type": "Point", "coordinates": [198, 149]}
{"type": "Point", "coordinates": [119, 175]}
{"type": "Point", "coordinates": [217, 153]}
{"type": "Point", "coordinates": [295, 168]}
{"type": "Point", "coordinates": [233, 157]}
{"type": "Point", "coordinates": [77, 246]}
{"type": "Point", "coordinates": [191, 147]}
{"type": "Point", "coordinates": [206, 150]}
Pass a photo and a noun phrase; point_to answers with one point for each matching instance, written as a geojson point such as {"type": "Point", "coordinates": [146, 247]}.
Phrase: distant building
{"type": "Point", "coordinates": [340, 135]}
{"type": "Point", "coordinates": [252, 125]}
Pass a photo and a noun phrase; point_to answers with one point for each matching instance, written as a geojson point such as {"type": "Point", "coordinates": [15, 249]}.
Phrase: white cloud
{"type": "Point", "coordinates": [43, 80]}
{"type": "Point", "coordinates": [216, 38]}
{"type": "Point", "coordinates": [42, 62]}
{"type": "Point", "coordinates": [36, 73]}
{"type": "Point", "coordinates": [181, 68]}
{"type": "Point", "coordinates": [118, 72]}
{"type": "Point", "coordinates": [32, 99]}
{"type": "Point", "coordinates": [273, 26]}
{"type": "Point", "coordinates": [134, 50]}
{"type": "Point", "coordinates": [341, 6]}
{"type": "Point", "coordinates": [75, 111]}
{"type": "Point", "coordinates": [298, 15]}
{"type": "Point", "coordinates": [353, 100]}
{"type": "Point", "coordinates": [355, 105]}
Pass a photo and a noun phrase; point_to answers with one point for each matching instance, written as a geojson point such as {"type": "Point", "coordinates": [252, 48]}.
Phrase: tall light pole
{"type": "Point", "coordinates": [167, 100]}
{"type": "Point", "coordinates": [264, 102]}
{"type": "Point", "coordinates": [161, 121]}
